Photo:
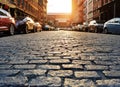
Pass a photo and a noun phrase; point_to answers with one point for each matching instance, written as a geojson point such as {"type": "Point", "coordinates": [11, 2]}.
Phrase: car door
{"type": "Point", "coordinates": [4, 20]}
{"type": "Point", "coordinates": [111, 25]}
{"type": "Point", "coordinates": [117, 25]}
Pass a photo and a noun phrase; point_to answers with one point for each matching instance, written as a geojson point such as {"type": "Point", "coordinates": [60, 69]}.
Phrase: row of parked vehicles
{"type": "Point", "coordinates": [9, 25]}
{"type": "Point", "coordinates": [111, 26]}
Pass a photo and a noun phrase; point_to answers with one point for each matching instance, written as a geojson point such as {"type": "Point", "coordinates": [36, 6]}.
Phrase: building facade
{"type": "Point", "coordinates": [42, 11]}
{"type": "Point", "coordinates": [59, 20]}
{"type": "Point", "coordinates": [88, 10]}
{"type": "Point", "coordinates": [77, 11]}
{"type": "Point", "coordinates": [106, 9]}
{"type": "Point", "coordinates": [19, 8]}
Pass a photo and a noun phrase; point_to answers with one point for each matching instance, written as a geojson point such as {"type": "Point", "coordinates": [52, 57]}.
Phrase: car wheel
{"type": "Point", "coordinates": [105, 31]}
{"type": "Point", "coordinates": [26, 30]}
{"type": "Point", "coordinates": [96, 30]}
{"type": "Point", "coordinates": [11, 30]}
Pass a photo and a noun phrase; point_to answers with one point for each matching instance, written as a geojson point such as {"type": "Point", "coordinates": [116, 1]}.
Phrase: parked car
{"type": "Point", "coordinates": [76, 27]}
{"type": "Point", "coordinates": [85, 27]}
{"type": "Point", "coordinates": [46, 27]}
{"type": "Point", "coordinates": [96, 26]}
{"type": "Point", "coordinates": [112, 26]}
{"type": "Point", "coordinates": [7, 23]}
{"type": "Point", "coordinates": [37, 27]}
{"type": "Point", "coordinates": [25, 25]}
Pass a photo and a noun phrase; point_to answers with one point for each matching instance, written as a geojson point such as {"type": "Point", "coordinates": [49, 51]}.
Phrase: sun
{"type": "Point", "coordinates": [59, 6]}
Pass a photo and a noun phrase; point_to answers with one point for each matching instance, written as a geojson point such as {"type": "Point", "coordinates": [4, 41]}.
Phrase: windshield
{"type": "Point", "coordinates": [5, 12]}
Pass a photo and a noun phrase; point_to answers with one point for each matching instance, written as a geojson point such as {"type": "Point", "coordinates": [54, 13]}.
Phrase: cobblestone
{"type": "Point", "coordinates": [35, 72]}
{"type": "Point", "coordinates": [13, 81]}
{"type": "Point", "coordinates": [49, 67]}
{"type": "Point", "coordinates": [78, 83]}
{"type": "Point", "coordinates": [8, 72]}
{"type": "Point", "coordinates": [61, 73]}
{"type": "Point", "coordinates": [87, 74]}
{"type": "Point", "coordinates": [38, 61]}
{"type": "Point", "coordinates": [60, 59]}
{"type": "Point", "coordinates": [108, 83]}
{"type": "Point", "coordinates": [72, 66]}
{"type": "Point", "coordinates": [96, 67]}
{"type": "Point", "coordinates": [112, 74]}
{"type": "Point", "coordinates": [27, 66]}
{"type": "Point", "coordinates": [46, 81]}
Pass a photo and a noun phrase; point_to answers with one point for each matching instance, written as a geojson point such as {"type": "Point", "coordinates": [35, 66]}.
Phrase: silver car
{"type": "Point", "coordinates": [112, 26]}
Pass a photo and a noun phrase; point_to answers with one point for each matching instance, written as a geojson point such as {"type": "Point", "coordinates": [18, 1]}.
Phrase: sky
{"type": "Point", "coordinates": [59, 6]}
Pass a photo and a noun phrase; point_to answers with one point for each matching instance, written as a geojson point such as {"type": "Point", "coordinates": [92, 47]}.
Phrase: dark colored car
{"type": "Point", "coordinates": [46, 27]}
{"type": "Point", "coordinates": [25, 25]}
{"type": "Point", "coordinates": [7, 22]}
{"type": "Point", "coordinates": [96, 26]}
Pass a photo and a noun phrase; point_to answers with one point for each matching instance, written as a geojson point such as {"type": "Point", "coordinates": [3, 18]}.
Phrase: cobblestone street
{"type": "Point", "coordinates": [60, 59]}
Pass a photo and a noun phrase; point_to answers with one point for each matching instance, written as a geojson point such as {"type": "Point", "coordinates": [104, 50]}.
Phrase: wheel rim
{"type": "Point", "coordinates": [105, 31]}
{"type": "Point", "coordinates": [11, 30]}
{"type": "Point", "coordinates": [26, 29]}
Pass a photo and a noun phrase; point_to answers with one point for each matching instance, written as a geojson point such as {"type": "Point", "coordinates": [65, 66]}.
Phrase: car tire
{"type": "Point", "coordinates": [105, 31]}
{"type": "Point", "coordinates": [96, 30]}
{"type": "Point", "coordinates": [11, 29]}
{"type": "Point", "coordinates": [26, 30]}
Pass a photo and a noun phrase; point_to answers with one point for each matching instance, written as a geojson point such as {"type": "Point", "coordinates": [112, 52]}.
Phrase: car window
{"type": "Point", "coordinates": [2, 14]}
{"type": "Point", "coordinates": [117, 21]}
{"type": "Point", "coordinates": [111, 21]}
{"type": "Point", "coordinates": [5, 13]}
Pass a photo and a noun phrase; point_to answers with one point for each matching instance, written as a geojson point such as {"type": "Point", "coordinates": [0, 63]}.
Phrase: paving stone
{"type": "Point", "coordinates": [27, 66]}
{"type": "Point", "coordinates": [104, 63]}
{"type": "Point", "coordinates": [108, 83]}
{"type": "Point", "coordinates": [60, 61]}
{"type": "Point", "coordinates": [115, 67]}
{"type": "Point", "coordinates": [52, 57]}
{"type": "Point", "coordinates": [13, 81]}
{"type": "Point", "coordinates": [45, 81]}
{"type": "Point", "coordinates": [54, 52]}
{"type": "Point", "coordinates": [18, 61]}
{"type": "Point", "coordinates": [5, 67]}
{"type": "Point", "coordinates": [96, 67]}
{"type": "Point", "coordinates": [34, 72]}
{"type": "Point", "coordinates": [79, 57]}
{"type": "Point", "coordinates": [67, 57]}
{"type": "Point", "coordinates": [60, 73]}
{"type": "Point", "coordinates": [38, 61]}
{"type": "Point", "coordinates": [3, 62]}
{"type": "Point", "coordinates": [9, 72]}
{"type": "Point", "coordinates": [88, 57]}
{"type": "Point", "coordinates": [87, 74]}
{"type": "Point", "coordinates": [112, 74]}
{"type": "Point", "coordinates": [117, 62]}
{"type": "Point", "coordinates": [81, 62]}
{"type": "Point", "coordinates": [31, 57]}
{"type": "Point", "coordinates": [72, 66]}
{"type": "Point", "coordinates": [49, 67]}
{"type": "Point", "coordinates": [78, 83]}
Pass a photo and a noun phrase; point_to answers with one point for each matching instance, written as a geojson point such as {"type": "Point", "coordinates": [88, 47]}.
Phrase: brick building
{"type": "Point", "coordinates": [32, 8]}
{"type": "Point", "coordinates": [88, 10]}
{"type": "Point", "coordinates": [59, 19]}
{"type": "Point", "coordinates": [106, 9]}
{"type": "Point", "coordinates": [77, 11]}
